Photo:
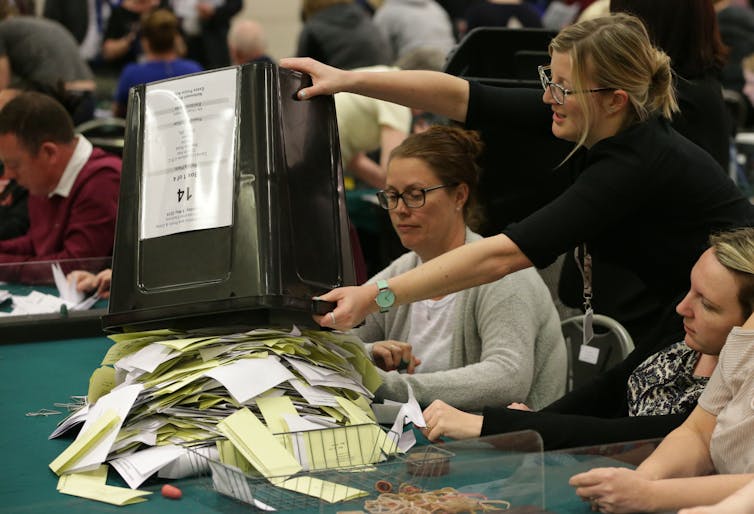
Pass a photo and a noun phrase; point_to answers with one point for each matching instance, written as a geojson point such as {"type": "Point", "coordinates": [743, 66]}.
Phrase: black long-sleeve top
{"type": "Point", "coordinates": [596, 413]}
{"type": "Point", "coordinates": [646, 199]}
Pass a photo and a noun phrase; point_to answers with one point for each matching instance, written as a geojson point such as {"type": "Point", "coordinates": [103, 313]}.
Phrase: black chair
{"type": "Point", "coordinates": [501, 56]}
{"type": "Point", "coordinates": [105, 133]}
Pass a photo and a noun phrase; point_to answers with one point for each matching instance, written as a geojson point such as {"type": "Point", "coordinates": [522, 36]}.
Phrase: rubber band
{"type": "Point", "coordinates": [412, 500]}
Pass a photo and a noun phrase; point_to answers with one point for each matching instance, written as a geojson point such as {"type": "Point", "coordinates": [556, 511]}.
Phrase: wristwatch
{"type": "Point", "coordinates": [385, 297]}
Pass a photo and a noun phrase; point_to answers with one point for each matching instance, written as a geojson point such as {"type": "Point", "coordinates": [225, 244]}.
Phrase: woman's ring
{"type": "Point", "coordinates": [332, 318]}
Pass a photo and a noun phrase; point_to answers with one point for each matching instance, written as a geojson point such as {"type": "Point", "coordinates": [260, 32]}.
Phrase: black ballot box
{"type": "Point", "coordinates": [231, 209]}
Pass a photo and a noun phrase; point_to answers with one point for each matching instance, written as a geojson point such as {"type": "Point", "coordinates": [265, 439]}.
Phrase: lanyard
{"type": "Point", "coordinates": [584, 263]}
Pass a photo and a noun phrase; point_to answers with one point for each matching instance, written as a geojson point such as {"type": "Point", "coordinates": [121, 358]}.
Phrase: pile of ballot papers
{"type": "Point", "coordinates": [160, 393]}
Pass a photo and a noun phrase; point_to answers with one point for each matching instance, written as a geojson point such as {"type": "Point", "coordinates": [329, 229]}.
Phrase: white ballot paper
{"type": "Point", "coordinates": [137, 467]}
{"type": "Point", "coordinates": [248, 378]}
{"type": "Point", "coordinates": [409, 412]}
{"type": "Point", "coordinates": [67, 290]}
{"type": "Point", "coordinates": [74, 299]}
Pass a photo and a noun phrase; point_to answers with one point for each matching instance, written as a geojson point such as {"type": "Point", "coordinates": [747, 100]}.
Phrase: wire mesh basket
{"type": "Point", "coordinates": [339, 465]}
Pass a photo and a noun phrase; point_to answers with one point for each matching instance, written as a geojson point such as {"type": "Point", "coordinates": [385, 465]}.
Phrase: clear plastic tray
{"type": "Point", "coordinates": [340, 464]}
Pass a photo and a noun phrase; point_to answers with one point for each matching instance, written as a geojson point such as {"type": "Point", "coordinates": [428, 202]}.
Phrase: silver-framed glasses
{"type": "Point", "coordinates": [557, 91]}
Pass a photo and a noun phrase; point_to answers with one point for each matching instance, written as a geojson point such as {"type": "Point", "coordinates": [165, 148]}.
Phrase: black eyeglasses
{"type": "Point", "coordinates": [413, 198]}
{"type": "Point", "coordinates": [557, 91]}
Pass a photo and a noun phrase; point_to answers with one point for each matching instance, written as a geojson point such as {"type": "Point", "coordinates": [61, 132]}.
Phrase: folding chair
{"type": "Point", "coordinates": [105, 133]}
{"type": "Point", "coordinates": [610, 345]}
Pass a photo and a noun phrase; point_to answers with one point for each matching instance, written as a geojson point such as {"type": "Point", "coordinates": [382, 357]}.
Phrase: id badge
{"type": "Point", "coordinates": [588, 354]}
{"type": "Point", "coordinates": [588, 329]}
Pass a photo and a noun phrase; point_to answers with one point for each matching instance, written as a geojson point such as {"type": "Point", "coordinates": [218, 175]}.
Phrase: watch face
{"type": "Point", "coordinates": [385, 298]}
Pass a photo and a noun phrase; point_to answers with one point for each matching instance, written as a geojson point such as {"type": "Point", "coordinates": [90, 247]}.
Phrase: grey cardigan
{"type": "Point", "coordinates": [507, 344]}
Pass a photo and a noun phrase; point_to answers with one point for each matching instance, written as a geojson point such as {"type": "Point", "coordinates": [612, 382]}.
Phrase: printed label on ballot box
{"type": "Point", "coordinates": [189, 148]}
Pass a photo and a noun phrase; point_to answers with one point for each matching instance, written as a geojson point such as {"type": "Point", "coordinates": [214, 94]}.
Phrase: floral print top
{"type": "Point", "coordinates": [665, 383]}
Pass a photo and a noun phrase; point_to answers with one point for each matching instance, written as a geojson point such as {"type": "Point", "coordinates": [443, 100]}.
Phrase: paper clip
{"type": "Point", "coordinates": [68, 406]}
{"type": "Point", "coordinates": [75, 404]}
{"type": "Point", "coordinates": [44, 412]}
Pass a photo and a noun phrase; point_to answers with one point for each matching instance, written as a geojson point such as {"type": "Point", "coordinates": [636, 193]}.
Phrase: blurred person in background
{"type": "Point", "coordinates": [159, 39]}
{"type": "Point", "coordinates": [205, 25]}
{"type": "Point", "coordinates": [14, 217]}
{"type": "Point", "coordinates": [340, 33]}
{"type": "Point", "coordinates": [412, 24]}
{"type": "Point", "coordinates": [247, 43]}
{"type": "Point", "coordinates": [512, 14]}
{"type": "Point", "coordinates": [121, 44]}
{"type": "Point", "coordinates": [736, 20]}
{"type": "Point", "coordinates": [86, 21]}
{"type": "Point", "coordinates": [40, 54]}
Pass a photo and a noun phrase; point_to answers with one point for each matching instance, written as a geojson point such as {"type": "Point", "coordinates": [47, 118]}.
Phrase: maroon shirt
{"type": "Point", "coordinates": [77, 226]}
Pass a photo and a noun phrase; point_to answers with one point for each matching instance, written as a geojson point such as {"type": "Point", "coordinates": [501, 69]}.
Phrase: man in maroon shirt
{"type": "Point", "coordinates": [73, 187]}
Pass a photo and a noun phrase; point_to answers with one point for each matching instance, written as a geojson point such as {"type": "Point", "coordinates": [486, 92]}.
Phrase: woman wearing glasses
{"type": "Point", "coordinates": [697, 56]}
{"type": "Point", "coordinates": [504, 337]}
{"type": "Point", "coordinates": [632, 189]}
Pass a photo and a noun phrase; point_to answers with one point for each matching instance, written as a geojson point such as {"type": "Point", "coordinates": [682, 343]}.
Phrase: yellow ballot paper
{"type": "Point", "coordinates": [365, 407]}
{"type": "Point", "coordinates": [85, 441]}
{"type": "Point", "coordinates": [97, 476]}
{"type": "Point", "coordinates": [128, 336]}
{"type": "Point", "coordinates": [328, 491]}
{"type": "Point", "coordinates": [91, 485]}
{"type": "Point", "coordinates": [356, 415]}
{"type": "Point", "coordinates": [126, 344]}
{"type": "Point", "coordinates": [354, 445]}
{"type": "Point", "coordinates": [100, 383]}
{"type": "Point", "coordinates": [333, 412]}
{"type": "Point", "coordinates": [258, 445]}
{"type": "Point", "coordinates": [184, 344]}
{"type": "Point", "coordinates": [272, 409]}
{"type": "Point", "coordinates": [232, 457]}
{"type": "Point", "coordinates": [181, 375]}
